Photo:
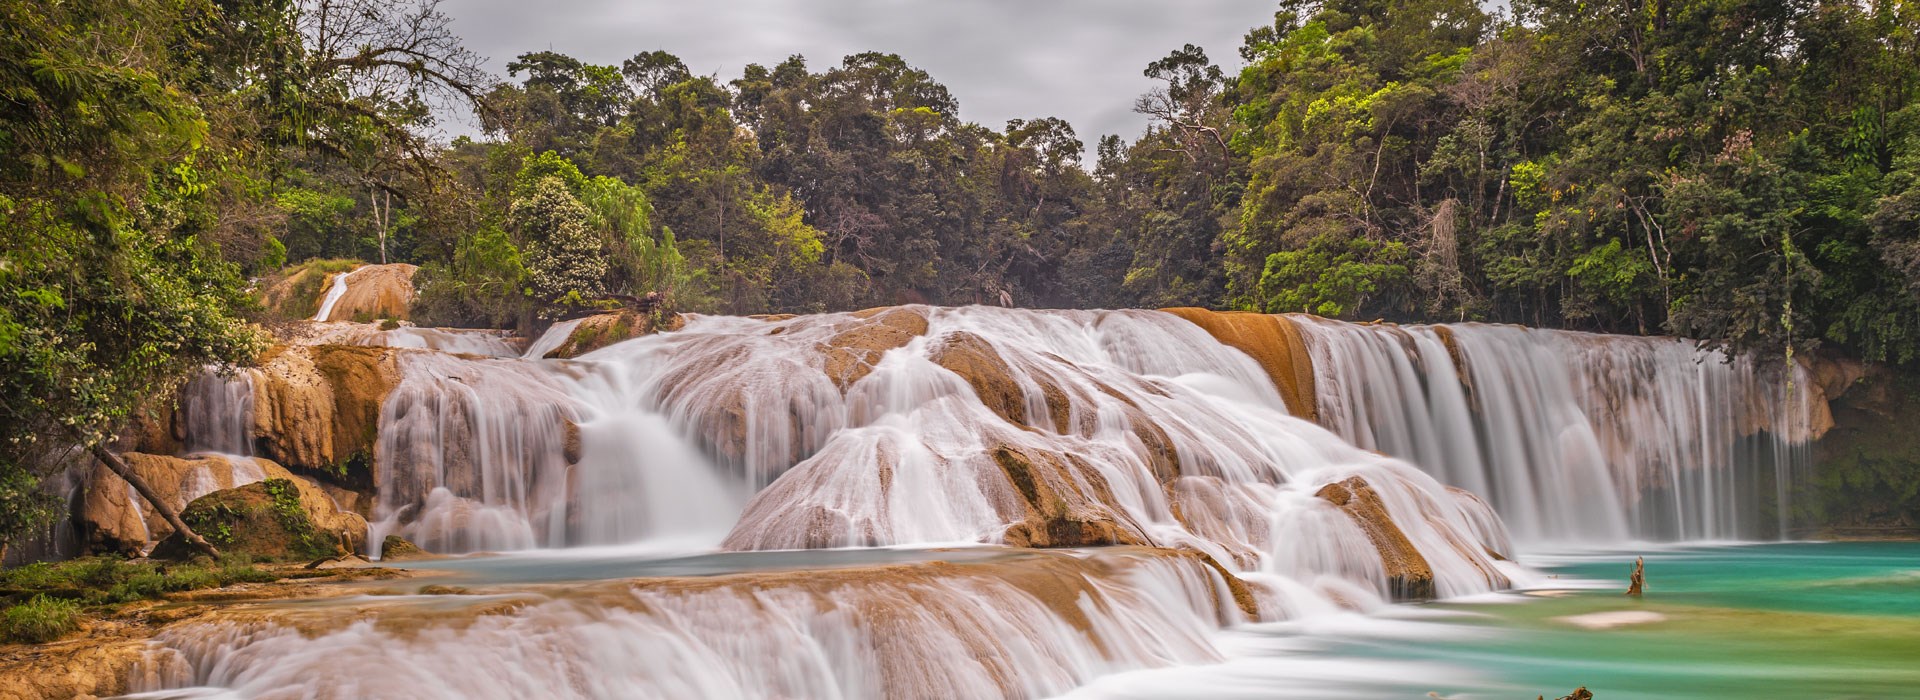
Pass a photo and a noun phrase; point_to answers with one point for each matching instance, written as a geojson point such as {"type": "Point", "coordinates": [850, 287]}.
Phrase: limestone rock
{"type": "Point", "coordinates": [1274, 342]}
{"type": "Point", "coordinates": [1059, 512]}
{"type": "Point", "coordinates": [110, 517]}
{"type": "Point", "coordinates": [374, 292]}
{"type": "Point", "coordinates": [1409, 576]}
{"type": "Point", "coordinates": [318, 407]}
{"type": "Point", "coordinates": [602, 330]}
{"type": "Point", "coordinates": [851, 355]}
{"type": "Point", "coordinates": [83, 666]}
{"type": "Point", "coordinates": [277, 519]}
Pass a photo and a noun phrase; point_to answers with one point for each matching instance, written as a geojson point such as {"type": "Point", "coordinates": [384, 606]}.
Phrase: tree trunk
{"type": "Point", "coordinates": [119, 466]}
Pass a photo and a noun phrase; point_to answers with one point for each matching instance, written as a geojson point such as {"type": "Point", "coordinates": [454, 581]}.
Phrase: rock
{"type": "Point", "coordinates": [277, 519]}
{"type": "Point", "coordinates": [397, 548]}
{"type": "Point", "coordinates": [1058, 512]}
{"type": "Point", "coordinates": [994, 381]}
{"type": "Point", "coordinates": [374, 292]}
{"type": "Point", "coordinates": [111, 518]}
{"type": "Point", "coordinates": [1409, 576]}
{"type": "Point", "coordinates": [1274, 342]}
{"type": "Point", "coordinates": [318, 407]}
{"type": "Point", "coordinates": [851, 355]}
{"type": "Point", "coordinates": [85, 666]}
{"type": "Point", "coordinates": [599, 331]}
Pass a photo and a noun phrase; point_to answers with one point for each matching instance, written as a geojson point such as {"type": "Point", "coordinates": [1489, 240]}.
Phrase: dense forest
{"type": "Point", "coordinates": [1739, 171]}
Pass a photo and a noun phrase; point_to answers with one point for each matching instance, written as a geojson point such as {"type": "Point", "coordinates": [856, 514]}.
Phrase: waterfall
{"type": "Point", "coordinates": [1573, 436]}
{"type": "Point", "coordinates": [218, 410]}
{"type": "Point", "coordinates": [1036, 627]}
{"type": "Point", "coordinates": [551, 340]}
{"type": "Point", "coordinates": [334, 292]}
{"type": "Point", "coordinates": [985, 425]}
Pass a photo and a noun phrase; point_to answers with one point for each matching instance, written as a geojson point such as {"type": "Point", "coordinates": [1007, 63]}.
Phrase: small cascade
{"type": "Point", "coordinates": [924, 426]}
{"type": "Point", "coordinates": [1573, 436]}
{"type": "Point", "coordinates": [551, 340]}
{"type": "Point", "coordinates": [334, 292]}
{"type": "Point", "coordinates": [1032, 628]}
{"type": "Point", "coordinates": [218, 410]}
{"type": "Point", "coordinates": [459, 341]}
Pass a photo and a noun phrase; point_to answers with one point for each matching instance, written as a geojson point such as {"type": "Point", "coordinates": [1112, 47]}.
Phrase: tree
{"type": "Point", "coordinates": [566, 260]}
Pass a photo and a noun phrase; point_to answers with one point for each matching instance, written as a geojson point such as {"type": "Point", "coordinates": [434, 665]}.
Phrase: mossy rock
{"type": "Point", "coordinates": [395, 548]}
{"type": "Point", "coordinates": [265, 520]}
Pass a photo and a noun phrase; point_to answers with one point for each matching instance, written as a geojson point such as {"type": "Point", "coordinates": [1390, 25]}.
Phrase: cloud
{"type": "Point", "coordinates": [1079, 60]}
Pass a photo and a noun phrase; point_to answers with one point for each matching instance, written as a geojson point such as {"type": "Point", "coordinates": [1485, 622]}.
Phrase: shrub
{"type": "Point", "coordinates": [40, 620]}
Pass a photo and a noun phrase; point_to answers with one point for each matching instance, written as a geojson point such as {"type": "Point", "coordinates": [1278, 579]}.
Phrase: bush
{"type": "Point", "coordinates": [39, 620]}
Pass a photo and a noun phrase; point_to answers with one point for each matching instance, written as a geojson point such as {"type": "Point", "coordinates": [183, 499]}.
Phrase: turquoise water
{"type": "Point", "coordinates": [1789, 621]}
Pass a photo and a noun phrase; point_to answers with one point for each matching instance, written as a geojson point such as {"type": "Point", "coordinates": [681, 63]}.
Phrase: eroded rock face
{"type": "Point", "coordinates": [318, 407]}
{"type": "Point", "coordinates": [1409, 576]}
{"type": "Point", "coordinates": [851, 355]}
{"type": "Point", "coordinates": [279, 519]}
{"type": "Point", "coordinates": [1271, 340]}
{"type": "Point", "coordinates": [92, 665]}
{"type": "Point", "coordinates": [599, 331]}
{"type": "Point", "coordinates": [112, 518]}
{"type": "Point", "coordinates": [375, 292]}
{"type": "Point", "coordinates": [1061, 510]}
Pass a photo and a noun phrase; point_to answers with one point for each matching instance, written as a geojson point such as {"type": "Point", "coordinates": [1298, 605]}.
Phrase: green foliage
{"type": "Point", "coordinates": [483, 285]}
{"type": "Point", "coordinates": [39, 620]}
{"type": "Point", "coordinates": [1333, 278]}
{"type": "Point", "coordinates": [566, 259]}
{"type": "Point", "coordinates": [109, 581]}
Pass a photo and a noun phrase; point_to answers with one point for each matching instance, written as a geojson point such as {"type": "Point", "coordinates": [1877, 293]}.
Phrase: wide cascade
{"type": "Point", "coordinates": [912, 427]}
{"type": "Point", "coordinates": [1575, 436]}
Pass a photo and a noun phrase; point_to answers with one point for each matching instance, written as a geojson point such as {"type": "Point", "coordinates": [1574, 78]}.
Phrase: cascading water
{"type": "Point", "coordinates": [334, 292]}
{"type": "Point", "coordinates": [921, 428]}
{"type": "Point", "coordinates": [1572, 436]}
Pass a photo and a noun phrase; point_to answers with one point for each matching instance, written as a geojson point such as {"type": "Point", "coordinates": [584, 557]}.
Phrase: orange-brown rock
{"type": "Point", "coordinates": [1274, 342]}
{"type": "Point", "coordinates": [96, 664]}
{"type": "Point", "coordinates": [283, 518]}
{"type": "Point", "coordinates": [851, 354]}
{"type": "Point", "coordinates": [111, 518]}
{"type": "Point", "coordinates": [993, 380]}
{"type": "Point", "coordinates": [318, 407]}
{"type": "Point", "coordinates": [375, 292]}
{"type": "Point", "coordinates": [1064, 502]}
{"type": "Point", "coordinates": [1409, 576]}
{"type": "Point", "coordinates": [602, 330]}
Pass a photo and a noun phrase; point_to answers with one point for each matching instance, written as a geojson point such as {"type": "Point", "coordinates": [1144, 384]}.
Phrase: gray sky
{"type": "Point", "coordinates": [1003, 59]}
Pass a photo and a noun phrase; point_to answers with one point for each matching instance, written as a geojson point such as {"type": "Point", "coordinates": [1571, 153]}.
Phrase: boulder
{"type": "Point", "coordinates": [110, 517]}
{"type": "Point", "coordinates": [851, 355]}
{"type": "Point", "coordinates": [277, 519]}
{"type": "Point", "coordinates": [1409, 576]}
{"type": "Point", "coordinates": [1059, 511]}
{"type": "Point", "coordinates": [602, 330]}
{"type": "Point", "coordinates": [374, 292]}
{"type": "Point", "coordinates": [994, 381]}
{"type": "Point", "coordinates": [1274, 342]}
{"type": "Point", "coordinates": [318, 407]}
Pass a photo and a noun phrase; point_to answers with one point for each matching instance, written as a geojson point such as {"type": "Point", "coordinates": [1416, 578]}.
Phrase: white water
{"type": "Point", "coordinates": [731, 434]}
{"type": "Point", "coordinates": [1572, 436]}
{"type": "Point", "coordinates": [218, 412]}
{"type": "Point", "coordinates": [551, 340]}
{"type": "Point", "coordinates": [334, 292]}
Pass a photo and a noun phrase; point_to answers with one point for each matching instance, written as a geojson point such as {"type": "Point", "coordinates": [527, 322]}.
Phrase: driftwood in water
{"type": "Point", "coordinates": [1638, 582]}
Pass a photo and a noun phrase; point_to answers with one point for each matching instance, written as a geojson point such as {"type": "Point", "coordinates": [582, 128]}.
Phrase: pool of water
{"type": "Point", "coordinates": [1789, 621]}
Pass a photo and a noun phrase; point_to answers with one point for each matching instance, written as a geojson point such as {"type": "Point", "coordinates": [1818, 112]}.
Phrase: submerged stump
{"type": "Point", "coordinates": [1637, 581]}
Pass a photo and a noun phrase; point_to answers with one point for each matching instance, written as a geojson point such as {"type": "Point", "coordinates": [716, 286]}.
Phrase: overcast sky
{"type": "Point", "coordinates": [1003, 59]}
